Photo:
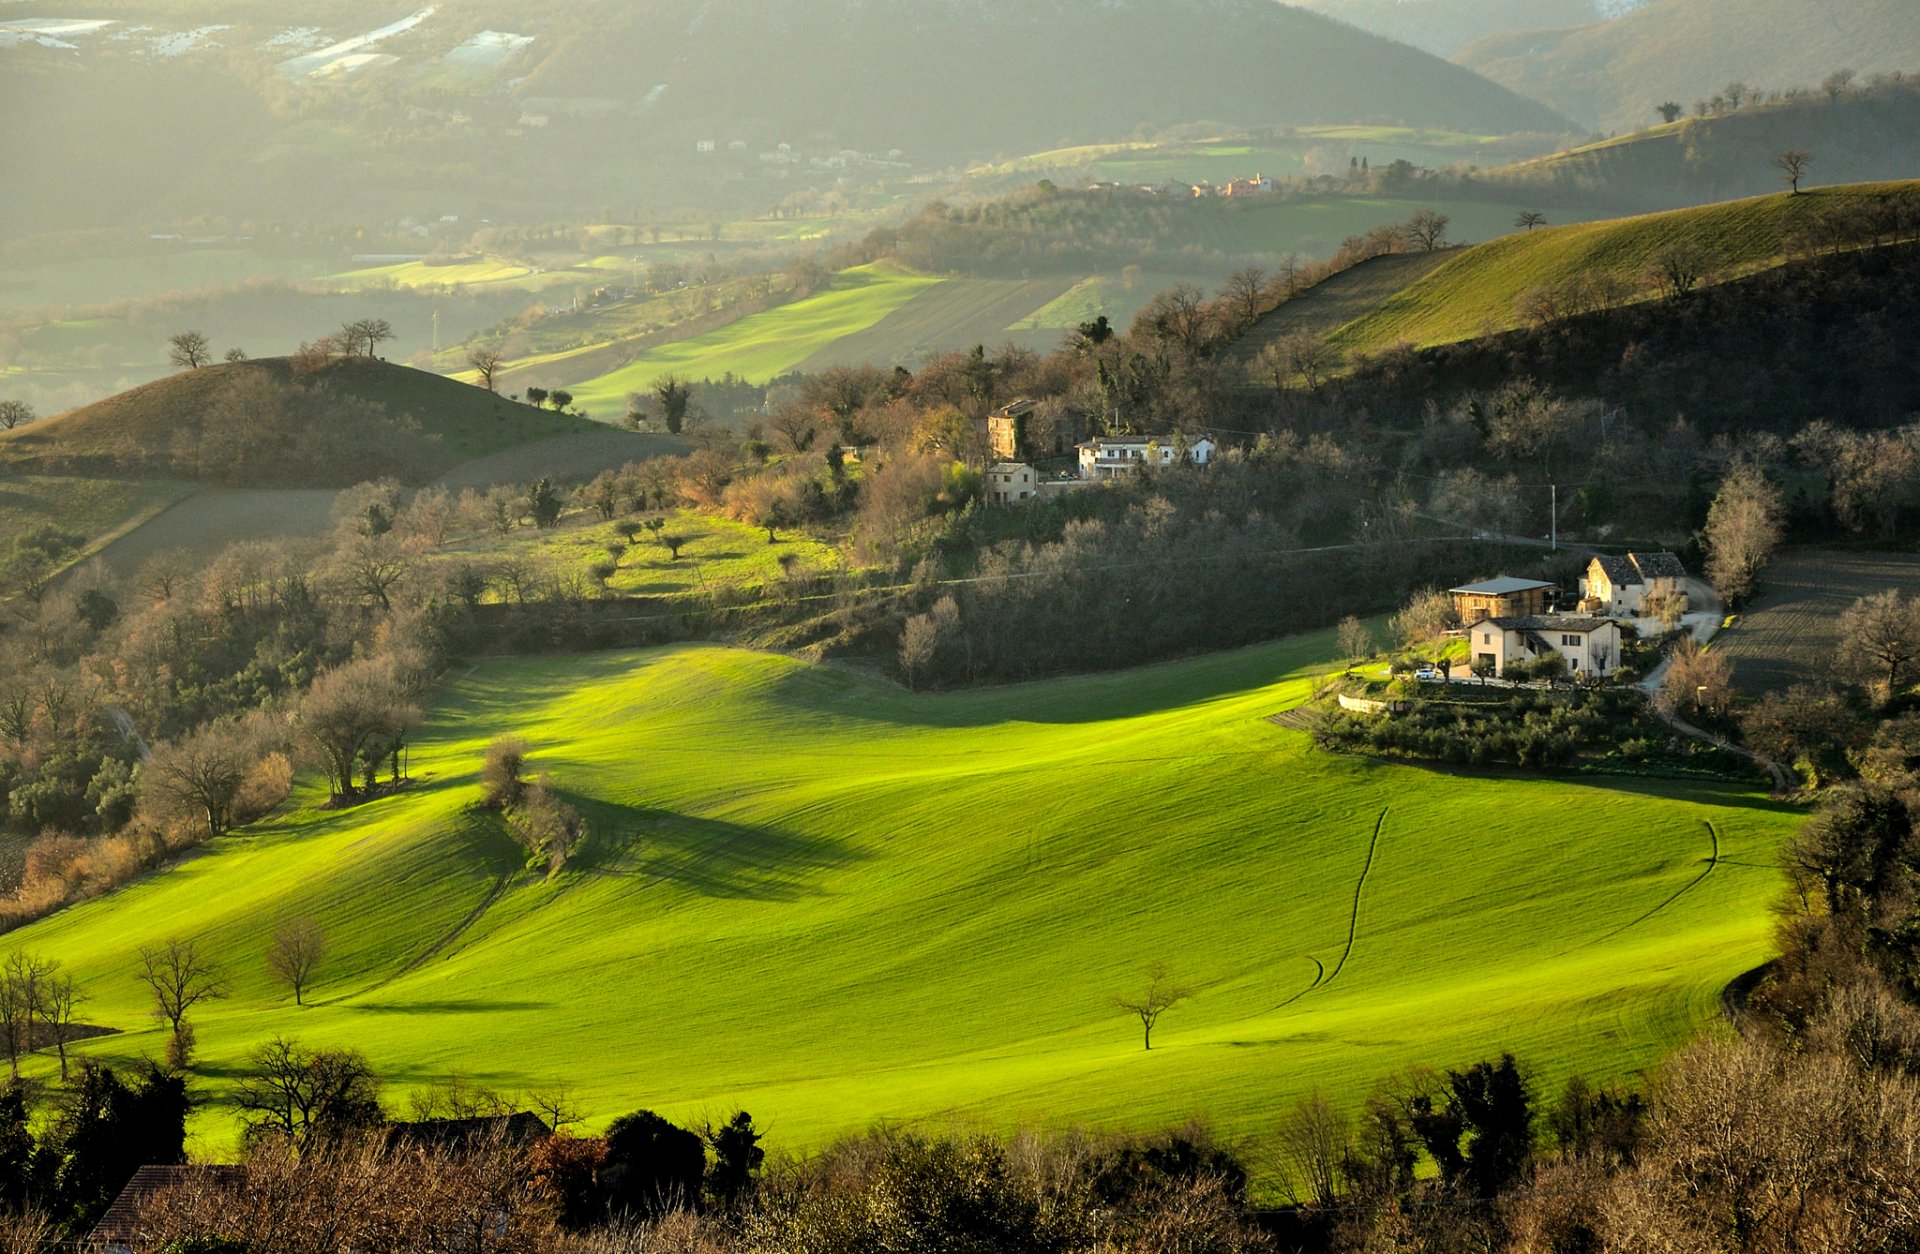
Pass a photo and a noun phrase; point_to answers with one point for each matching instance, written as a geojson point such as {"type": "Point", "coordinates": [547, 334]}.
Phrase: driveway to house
{"type": "Point", "coordinates": [1704, 623]}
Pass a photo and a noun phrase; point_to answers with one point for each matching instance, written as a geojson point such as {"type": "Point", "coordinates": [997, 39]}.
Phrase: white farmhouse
{"type": "Point", "coordinates": [1113, 456]}
{"type": "Point", "coordinates": [1591, 646]}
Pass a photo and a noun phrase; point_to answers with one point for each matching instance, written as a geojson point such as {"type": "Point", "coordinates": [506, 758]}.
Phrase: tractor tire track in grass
{"type": "Point", "coordinates": [1713, 862]}
{"type": "Point", "coordinates": [1319, 974]}
{"type": "Point", "coordinates": [1321, 978]}
{"type": "Point", "coordinates": [1353, 921]}
{"type": "Point", "coordinates": [473, 917]}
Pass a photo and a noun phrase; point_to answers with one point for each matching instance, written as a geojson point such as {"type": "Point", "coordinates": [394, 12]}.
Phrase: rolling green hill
{"type": "Point", "coordinates": [1480, 289]}
{"type": "Point", "coordinates": [1612, 74]}
{"type": "Point", "coordinates": [136, 430]}
{"type": "Point", "coordinates": [1864, 135]}
{"type": "Point", "coordinates": [812, 894]}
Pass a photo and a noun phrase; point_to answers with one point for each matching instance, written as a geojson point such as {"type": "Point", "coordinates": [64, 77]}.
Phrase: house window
{"type": "Point", "coordinates": [1572, 642]}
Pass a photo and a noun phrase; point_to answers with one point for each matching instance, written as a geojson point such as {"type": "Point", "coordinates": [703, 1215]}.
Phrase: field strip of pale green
{"type": "Point", "coordinates": [763, 345]}
{"type": "Point", "coordinates": [816, 895]}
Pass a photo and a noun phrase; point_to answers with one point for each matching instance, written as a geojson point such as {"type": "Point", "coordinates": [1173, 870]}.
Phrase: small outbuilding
{"type": "Point", "coordinates": [1505, 597]}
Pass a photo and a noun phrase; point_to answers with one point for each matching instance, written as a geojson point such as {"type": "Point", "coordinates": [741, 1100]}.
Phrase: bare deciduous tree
{"type": "Point", "coordinates": [181, 977]}
{"type": "Point", "coordinates": [15, 414]}
{"type": "Point", "coordinates": [1315, 1140]}
{"type": "Point", "coordinates": [1530, 218]}
{"type": "Point", "coordinates": [1880, 640]}
{"type": "Point", "coordinates": [1743, 529]}
{"type": "Point", "coordinates": [486, 362]}
{"type": "Point", "coordinates": [1160, 995]}
{"type": "Point", "coordinates": [1245, 294]}
{"type": "Point", "coordinates": [1354, 638]}
{"type": "Point", "coordinates": [1428, 229]}
{"type": "Point", "coordinates": [295, 953]}
{"type": "Point", "coordinates": [1679, 268]}
{"type": "Point", "coordinates": [202, 772]}
{"type": "Point", "coordinates": [189, 350]}
{"type": "Point", "coordinates": [63, 1001]}
{"type": "Point", "coordinates": [1792, 164]}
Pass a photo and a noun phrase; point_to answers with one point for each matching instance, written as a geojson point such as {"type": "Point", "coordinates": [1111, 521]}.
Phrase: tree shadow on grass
{"type": "Point", "coordinates": [707, 856]}
{"type": "Point", "coordinates": [448, 1006]}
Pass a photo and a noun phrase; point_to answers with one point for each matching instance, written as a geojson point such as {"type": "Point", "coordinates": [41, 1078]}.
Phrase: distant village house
{"type": "Point", "coordinates": [1011, 483]}
{"type": "Point", "coordinates": [1114, 456]}
{"type": "Point", "coordinates": [1008, 435]}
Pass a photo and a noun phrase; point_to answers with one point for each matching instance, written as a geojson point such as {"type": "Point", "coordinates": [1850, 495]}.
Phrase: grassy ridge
{"type": "Point", "coordinates": [766, 344]}
{"type": "Point", "coordinates": [832, 901]}
{"type": "Point", "coordinates": [1333, 302]}
{"type": "Point", "coordinates": [1481, 288]}
{"type": "Point", "coordinates": [140, 423]}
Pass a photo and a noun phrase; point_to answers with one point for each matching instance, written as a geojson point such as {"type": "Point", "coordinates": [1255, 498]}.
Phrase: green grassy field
{"type": "Point", "coordinates": [953, 314]}
{"type": "Point", "coordinates": [812, 894]}
{"type": "Point", "coordinates": [1481, 288]}
{"type": "Point", "coordinates": [762, 345]}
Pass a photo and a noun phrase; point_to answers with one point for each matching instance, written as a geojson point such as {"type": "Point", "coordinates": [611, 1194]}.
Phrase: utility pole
{"type": "Point", "coordinates": [1554, 511]}
{"type": "Point", "coordinates": [436, 330]}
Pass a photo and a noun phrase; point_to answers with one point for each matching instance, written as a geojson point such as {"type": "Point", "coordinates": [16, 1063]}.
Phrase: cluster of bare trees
{"type": "Point", "coordinates": [38, 1000]}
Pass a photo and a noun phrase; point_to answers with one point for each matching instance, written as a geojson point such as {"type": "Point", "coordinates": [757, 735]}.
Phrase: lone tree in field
{"type": "Point", "coordinates": [63, 1000]}
{"type": "Point", "coordinates": [1529, 219]}
{"type": "Point", "coordinates": [295, 953]}
{"type": "Point", "coordinates": [189, 350]}
{"type": "Point", "coordinates": [1837, 83]}
{"type": "Point", "coordinates": [1355, 640]}
{"type": "Point", "coordinates": [15, 414]}
{"type": "Point", "coordinates": [373, 332]}
{"type": "Point", "coordinates": [503, 773]}
{"type": "Point", "coordinates": [675, 397]}
{"type": "Point", "coordinates": [1743, 529]}
{"type": "Point", "coordinates": [1670, 110]}
{"type": "Point", "coordinates": [1428, 228]}
{"type": "Point", "coordinates": [1792, 165]}
{"type": "Point", "coordinates": [1880, 640]}
{"type": "Point", "coordinates": [181, 977]}
{"type": "Point", "coordinates": [486, 361]}
{"type": "Point", "coordinates": [1160, 995]}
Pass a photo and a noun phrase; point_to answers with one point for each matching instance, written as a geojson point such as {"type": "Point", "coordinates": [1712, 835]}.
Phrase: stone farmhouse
{"type": "Point", "coordinates": [1633, 586]}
